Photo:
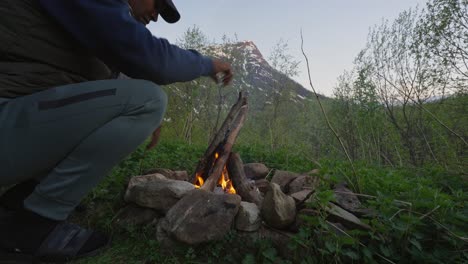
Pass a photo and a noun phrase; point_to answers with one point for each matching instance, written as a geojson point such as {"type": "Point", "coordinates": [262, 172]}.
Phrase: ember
{"type": "Point", "coordinates": [213, 171]}
{"type": "Point", "coordinates": [199, 181]}
{"type": "Point", "coordinates": [224, 182]}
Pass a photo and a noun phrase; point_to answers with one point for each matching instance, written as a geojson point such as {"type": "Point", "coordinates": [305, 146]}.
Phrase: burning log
{"type": "Point", "coordinates": [207, 160]}
{"type": "Point", "coordinates": [244, 188]}
{"type": "Point", "coordinates": [210, 169]}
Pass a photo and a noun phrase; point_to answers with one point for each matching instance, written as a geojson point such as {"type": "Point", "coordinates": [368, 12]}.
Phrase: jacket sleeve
{"type": "Point", "coordinates": [108, 29]}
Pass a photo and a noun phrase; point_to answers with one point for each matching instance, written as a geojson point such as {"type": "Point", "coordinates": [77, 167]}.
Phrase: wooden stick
{"type": "Point", "coordinates": [227, 124]}
{"type": "Point", "coordinates": [240, 182]}
{"type": "Point", "coordinates": [328, 120]}
{"type": "Point", "coordinates": [213, 178]}
{"type": "Point", "coordinates": [206, 161]}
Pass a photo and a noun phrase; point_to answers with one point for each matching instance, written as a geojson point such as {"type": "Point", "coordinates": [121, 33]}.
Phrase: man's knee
{"type": "Point", "coordinates": [152, 97]}
{"type": "Point", "coordinates": [159, 96]}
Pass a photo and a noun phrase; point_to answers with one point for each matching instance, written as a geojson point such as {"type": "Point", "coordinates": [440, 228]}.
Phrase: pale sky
{"type": "Point", "coordinates": [334, 30]}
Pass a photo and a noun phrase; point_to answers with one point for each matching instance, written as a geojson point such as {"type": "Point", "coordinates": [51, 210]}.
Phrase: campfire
{"type": "Point", "coordinates": [224, 183]}
{"type": "Point", "coordinates": [223, 194]}
{"type": "Point", "coordinates": [220, 170]}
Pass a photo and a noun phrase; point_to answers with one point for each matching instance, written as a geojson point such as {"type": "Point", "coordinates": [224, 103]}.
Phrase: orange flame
{"type": "Point", "coordinates": [224, 180]}
{"type": "Point", "coordinates": [226, 183]}
{"type": "Point", "coordinates": [199, 182]}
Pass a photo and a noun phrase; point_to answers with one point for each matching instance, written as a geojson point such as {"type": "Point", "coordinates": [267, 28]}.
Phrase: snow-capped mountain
{"type": "Point", "coordinates": [256, 76]}
{"type": "Point", "coordinates": [268, 90]}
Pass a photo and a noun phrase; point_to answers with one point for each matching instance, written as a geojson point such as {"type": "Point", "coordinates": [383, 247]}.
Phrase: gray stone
{"type": "Point", "coordinates": [181, 175]}
{"type": "Point", "coordinates": [166, 172]}
{"type": "Point", "coordinates": [346, 199]}
{"type": "Point", "coordinates": [349, 201]}
{"type": "Point", "coordinates": [170, 174]}
{"type": "Point", "coordinates": [278, 209]}
{"type": "Point", "coordinates": [165, 241]}
{"type": "Point", "coordinates": [145, 178]}
{"type": "Point", "coordinates": [283, 179]}
{"type": "Point", "coordinates": [156, 193]}
{"type": "Point", "coordinates": [200, 217]}
{"type": "Point", "coordinates": [262, 185]}
{"type": "Point", "coordinates": [339, 215]}
{"type": "Point", "coordinates": [303, 182]}
{"type": "Point", "coordinates": [248, 218]}
{"type": "Point", "coordinates": [256, 171]}
{"type": "Point", "coordinates": [301, 196]}
{"type": "Point", "coordinates": [297, 184]}
{"type": "Point", "coordinates": [132, 215]}
{"type": "Point", "coordinates": [314, 172]}
{"type": "Point", "coordinates": [309, 212]}
{"type": "Point", "coordinates": [365, 213]}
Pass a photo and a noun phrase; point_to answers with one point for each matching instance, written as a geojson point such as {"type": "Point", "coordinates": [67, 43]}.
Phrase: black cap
{"type": "Point", "coordinates": [170, 13]}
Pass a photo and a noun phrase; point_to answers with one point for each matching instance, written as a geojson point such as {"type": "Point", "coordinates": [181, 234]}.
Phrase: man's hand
{"type": "Point", "coordinates": [222, 72]}
{"type": "Point", "coordinates": [154, 138]}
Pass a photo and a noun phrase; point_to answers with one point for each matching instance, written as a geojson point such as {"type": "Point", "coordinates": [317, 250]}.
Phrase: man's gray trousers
{"type": "Point", "coordinates": [70, 137]}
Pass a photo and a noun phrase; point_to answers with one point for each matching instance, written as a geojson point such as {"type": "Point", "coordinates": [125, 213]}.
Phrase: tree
{"type": "Point", "coordinates": [185, 98]}
{"type": "Point", "coordinates": [404, 79]}
{"type": "Point", "coordinates": [443, 34]}
{"type": "Point", "coordinates": [280, 97]}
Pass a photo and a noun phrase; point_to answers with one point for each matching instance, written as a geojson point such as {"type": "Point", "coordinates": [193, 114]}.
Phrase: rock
{"type": "Point", "coordinates": [248, 218]}
{"type": "Point", "coordinates": [339, 215]}
{"type": "Point", "coordinates": [180, 176]}
{"type": "Point", "coordinates": [309, 212]}
{"type": "Point", "coordinates": [132, 215]}
{"type": "Point", "coordinates": [301, 196]}
{"type": "Point", "coordinates": [278, 209]}
{"type": "Point", "coordinates": [159, 194]}
{"type": "Point", "coordinates": [256, 171]}
{"type": "Point", "coordinates": [303, 182]}
{"type": "Point", "coordinates": [314, 172]}
{"type": "Point", "coordinates": [200, 217]}
{"type": "Point", "coordinates": [262, 185]}
{"type": "Point", "coordinates": [145, 178]}
{"type": "Point", "coordinates": [346, 199]}
{"type": "Point", "coordinates": [365, 213]}
{"type": "Point", "coordinates": [170, 174]}
{"type": "Point", "coordinates": [297, 184]}
{"type": "Point", "coordinates": [166, 172]}
{"type": "Point", "coordinates": [283, 179]}
{"type": "Point", "coordinates": [165, 241]}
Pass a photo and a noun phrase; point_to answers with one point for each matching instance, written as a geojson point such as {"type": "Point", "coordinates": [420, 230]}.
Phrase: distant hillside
{"type": "Point", "coordinates": [272, 95]}
{"type": "Point", "coordinates": [256, 76]}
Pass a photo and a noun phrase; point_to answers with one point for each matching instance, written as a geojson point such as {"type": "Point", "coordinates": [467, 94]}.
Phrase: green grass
{"type": "Point", "coordinates": [421, 214]}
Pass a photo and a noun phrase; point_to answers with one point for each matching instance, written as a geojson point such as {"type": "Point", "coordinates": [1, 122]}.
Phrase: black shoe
{"type": "Point", "coordinates": [13, 198]}
{"type": "Point", "coordinates": [28, 238]}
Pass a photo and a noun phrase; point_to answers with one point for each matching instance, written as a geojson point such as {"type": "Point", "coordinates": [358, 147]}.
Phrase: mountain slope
{"type": "Point", "coordinates": [256, 76]}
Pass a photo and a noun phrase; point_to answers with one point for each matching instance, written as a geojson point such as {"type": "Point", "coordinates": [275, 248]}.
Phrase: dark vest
{"type": "Point", "coordinates": [36, 53]}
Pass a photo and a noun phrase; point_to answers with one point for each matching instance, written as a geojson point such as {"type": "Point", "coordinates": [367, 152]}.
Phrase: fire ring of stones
{"type": "Point", "coordinates": [225, 194]}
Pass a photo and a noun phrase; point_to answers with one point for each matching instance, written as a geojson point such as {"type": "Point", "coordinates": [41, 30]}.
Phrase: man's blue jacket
{"type": "Point", "coordinates": [108, 29]}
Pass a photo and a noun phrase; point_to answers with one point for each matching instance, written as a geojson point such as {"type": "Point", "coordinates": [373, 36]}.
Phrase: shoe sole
{"type": "Point", "coordinates": [19, 258]}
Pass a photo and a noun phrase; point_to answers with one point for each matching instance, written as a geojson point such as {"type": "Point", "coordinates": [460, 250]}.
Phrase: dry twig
{"type": "Point", "coordinates": [325, 114]}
